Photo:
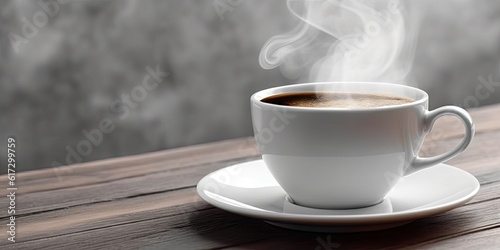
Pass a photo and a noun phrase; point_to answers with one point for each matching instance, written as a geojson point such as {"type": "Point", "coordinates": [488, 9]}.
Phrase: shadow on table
{"type": "Point", "coordinates": [230, 230]}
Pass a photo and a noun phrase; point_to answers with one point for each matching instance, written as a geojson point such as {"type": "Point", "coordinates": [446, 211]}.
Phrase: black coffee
{"type": "Point", "coordinates": [335, 100]}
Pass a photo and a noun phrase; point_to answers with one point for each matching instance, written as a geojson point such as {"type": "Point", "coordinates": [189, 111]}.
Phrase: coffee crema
{"type": "Point", "coordinates": [335, 100]}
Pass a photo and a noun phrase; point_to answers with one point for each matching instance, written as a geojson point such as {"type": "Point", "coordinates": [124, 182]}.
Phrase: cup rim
{"type": "Point", "coordinates": [258, 102]}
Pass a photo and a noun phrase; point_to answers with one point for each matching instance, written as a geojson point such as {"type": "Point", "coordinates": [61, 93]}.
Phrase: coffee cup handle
{"type": "Point", "coordinates": [429, 119]}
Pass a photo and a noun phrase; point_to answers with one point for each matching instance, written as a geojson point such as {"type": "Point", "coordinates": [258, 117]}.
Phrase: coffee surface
{"type": "Point", "coordinates": [335, 100]}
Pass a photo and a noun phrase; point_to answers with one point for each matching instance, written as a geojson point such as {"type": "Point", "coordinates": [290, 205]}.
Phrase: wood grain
{"type": "Point", "coordinates": [167, 204]}
{"type": "Point", "coordinates": [119, 189]}
{"type": "Point", "coordinates": [109, 170]}
{"type": "Point", "coordinates": [148, 201]}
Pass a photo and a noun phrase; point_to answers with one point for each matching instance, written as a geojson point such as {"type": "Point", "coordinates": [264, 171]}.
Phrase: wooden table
{"type": "Point", "coordinates": [149, 201]}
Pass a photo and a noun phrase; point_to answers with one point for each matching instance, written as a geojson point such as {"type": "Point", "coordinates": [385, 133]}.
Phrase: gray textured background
{"type": "Point", "coordinates": [65, 77]}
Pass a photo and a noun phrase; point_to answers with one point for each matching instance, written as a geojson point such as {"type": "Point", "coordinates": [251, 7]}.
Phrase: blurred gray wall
{"type": "Point", "coordinates": [65, 77]}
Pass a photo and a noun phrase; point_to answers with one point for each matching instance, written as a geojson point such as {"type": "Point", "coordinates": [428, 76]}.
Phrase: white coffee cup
{"type": "Point", "coordinates": [341, 158]}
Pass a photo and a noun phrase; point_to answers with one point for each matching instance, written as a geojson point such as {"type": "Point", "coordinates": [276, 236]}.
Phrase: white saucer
{"type": "Point", "coordinates": [249, 189]}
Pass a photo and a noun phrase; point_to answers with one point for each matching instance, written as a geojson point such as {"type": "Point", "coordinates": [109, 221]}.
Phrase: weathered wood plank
{"type": "Point", "coordinates": [457, 223]}
{"type": "Point", "coordinates": [131, 166]}
{"type": "Point", "coordinates": [150, 207]}
{"type": "Point", "coordinates": [105, 214]}
{"type": "Point", "coordinates": [149, 233]}
{"type": "Point", "coordinates": [486, 119]}
{"type": "Point", "coordinates": [216, 228]}
{"type": "Point", "coordinates": [159, 182]}
{"type": "Point", "coordinates": [484, 149]}
{"type": "Point", "coordinates": [482, 239]}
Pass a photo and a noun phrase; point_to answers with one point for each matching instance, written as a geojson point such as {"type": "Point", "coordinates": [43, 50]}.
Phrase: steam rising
{"type": "Point", "coordinates": [344, 40]}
